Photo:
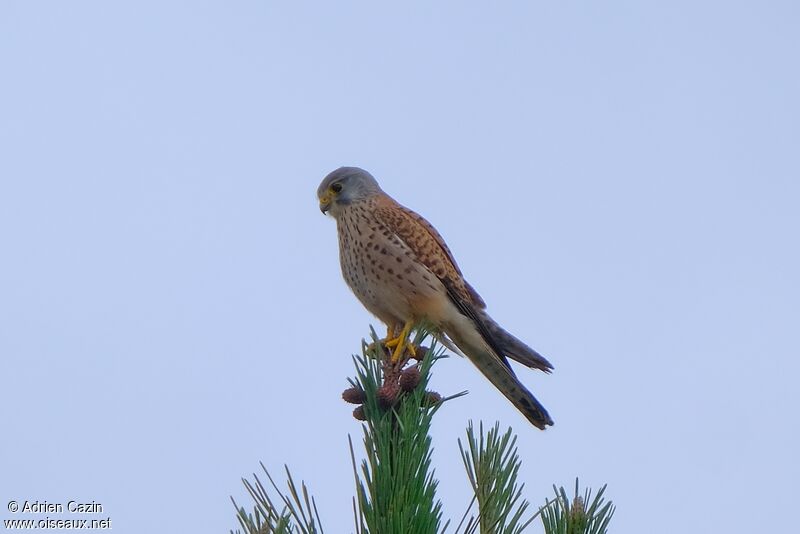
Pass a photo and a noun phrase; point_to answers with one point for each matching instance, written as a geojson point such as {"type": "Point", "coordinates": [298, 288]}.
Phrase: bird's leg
{"type": "Point", "coordinates": [400, 343]}
{"type": "Point", "coordinates": [389, 332]}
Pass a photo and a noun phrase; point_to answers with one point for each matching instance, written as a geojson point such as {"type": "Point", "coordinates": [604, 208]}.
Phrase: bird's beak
{"type": "Point", "coordinates": [324, 203]}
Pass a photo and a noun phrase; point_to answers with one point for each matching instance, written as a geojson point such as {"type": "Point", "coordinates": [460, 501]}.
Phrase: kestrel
{"type": "Point", "coordinates": [402, 271]}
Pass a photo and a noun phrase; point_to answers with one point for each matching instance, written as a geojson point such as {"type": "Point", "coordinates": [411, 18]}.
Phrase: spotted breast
{"type": "Point", "coordinates": [380, 268]}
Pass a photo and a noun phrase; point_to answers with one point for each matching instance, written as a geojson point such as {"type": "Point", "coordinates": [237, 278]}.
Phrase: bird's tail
{"type": "Point", "coordinates": [511, 347]}
{"type": "Point", "coordinates": [472, 340]}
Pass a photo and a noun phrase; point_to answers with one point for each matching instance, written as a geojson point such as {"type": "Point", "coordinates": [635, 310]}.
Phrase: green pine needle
{"type": "Point", "coordinates": [492, 465]}
{"type": "Point", "coordinates": [395, 484]}
{"type": "Point", "coordinates": [296, 513]}
{"type": "Point", "coordinates": [562, 516]}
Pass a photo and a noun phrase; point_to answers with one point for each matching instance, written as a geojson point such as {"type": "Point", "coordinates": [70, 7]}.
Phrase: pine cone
{"type": "Point", "coordinates": [387, 395]}
{"type": "Point", "coordinates": [354, 395]}
{"type": "Point", "coordinates": [409, 379]}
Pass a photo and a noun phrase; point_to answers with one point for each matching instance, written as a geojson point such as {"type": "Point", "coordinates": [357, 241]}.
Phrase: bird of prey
{"type": "Point", "coordinates": [402, 271]}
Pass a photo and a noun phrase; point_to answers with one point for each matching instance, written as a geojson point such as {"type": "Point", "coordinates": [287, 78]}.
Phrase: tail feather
{"type": "Point", "coordinates": [471, 342]}
{"type": "Point", "coordinates": [512, 347]}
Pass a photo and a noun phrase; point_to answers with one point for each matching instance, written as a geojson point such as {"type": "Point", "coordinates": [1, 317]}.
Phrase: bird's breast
{"type": "Point", "coordinates": [382, 270]}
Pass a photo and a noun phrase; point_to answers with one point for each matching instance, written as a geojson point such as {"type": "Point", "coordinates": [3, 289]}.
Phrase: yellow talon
{"type": "Point", "coordinates": [400, 342]}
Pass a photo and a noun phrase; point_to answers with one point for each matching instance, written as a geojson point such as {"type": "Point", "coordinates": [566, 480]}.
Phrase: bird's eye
{"type": "Point", "coordinates": [336, 188]}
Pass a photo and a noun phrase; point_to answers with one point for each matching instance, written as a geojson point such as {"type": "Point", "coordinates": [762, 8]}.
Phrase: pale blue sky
{"type": "Point", "coordinates": [619, 180]}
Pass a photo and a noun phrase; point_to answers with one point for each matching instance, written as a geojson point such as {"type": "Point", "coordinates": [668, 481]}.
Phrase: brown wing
{"type": "Point", "coordinates": [429, 247]}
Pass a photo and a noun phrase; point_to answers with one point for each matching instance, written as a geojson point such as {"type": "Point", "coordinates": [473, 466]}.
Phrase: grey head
{"type": "Point", "coordinates": [344, 186]}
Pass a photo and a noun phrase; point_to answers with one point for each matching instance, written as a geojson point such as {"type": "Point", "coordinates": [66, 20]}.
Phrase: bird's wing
{"type": "Point", "coordinates": [475, 334]}
{"type": "Point", "coordinates": [429, 247]}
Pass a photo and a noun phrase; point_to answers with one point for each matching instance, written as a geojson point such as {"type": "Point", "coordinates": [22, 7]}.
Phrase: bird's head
{"type": "Point", "coordinates": [344, 186]}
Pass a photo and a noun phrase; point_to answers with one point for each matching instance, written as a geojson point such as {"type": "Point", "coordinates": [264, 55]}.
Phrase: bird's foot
{"type": "Point", "coordinates": [381, 354]}
{"type": "Point", "coordinates": [400, 343]}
